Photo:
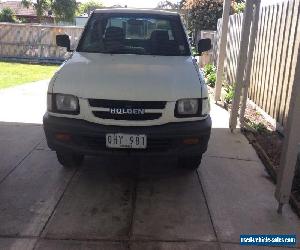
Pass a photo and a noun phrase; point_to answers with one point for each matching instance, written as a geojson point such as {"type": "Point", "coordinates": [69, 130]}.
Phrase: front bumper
{"type": "Point", "coordinates": [89, 138]}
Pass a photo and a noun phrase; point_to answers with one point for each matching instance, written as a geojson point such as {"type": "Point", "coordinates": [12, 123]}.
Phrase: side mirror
{"type": "Point", "coordinates": [63, 41]}
{"type": "Point", "coordinates": [204, 45]}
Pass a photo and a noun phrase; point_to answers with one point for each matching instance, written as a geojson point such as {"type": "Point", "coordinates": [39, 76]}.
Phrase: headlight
{"type": "Point", "coordinates": [49, 102]}
{"type": "Point", "coordinates": [187, 106]}
{"type": "Point", "coordinates": [205, 106]}
{"type": "Point", "coordinates": [192, 108]}
{"type": "Point", "coordinates": [61, 103]}
{"type": "Point", "coordinates": [67, 103]}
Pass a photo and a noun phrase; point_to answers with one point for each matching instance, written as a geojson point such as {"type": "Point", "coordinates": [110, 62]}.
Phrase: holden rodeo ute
{"type": "Point", "coordinates": [132, 86]}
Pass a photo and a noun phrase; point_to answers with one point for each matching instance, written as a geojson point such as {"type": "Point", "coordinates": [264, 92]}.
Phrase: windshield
{"type": "Point", "coordinates": [134, 34]}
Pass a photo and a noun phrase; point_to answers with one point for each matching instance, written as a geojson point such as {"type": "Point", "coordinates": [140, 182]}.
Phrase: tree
{"type": "Point", "coordinates": [204, 14]}
{"type": "Point", "coordinates": [167, 5]}
{"type": "Point", "coordinates": [182, 4]}
{"type": "Point", "coordinates": [64, 10]}
{"type": "Point", "coordinates": [89, 6]}
{"type": "Point", "coordinates": [7, 15]}
{"type": "Point", "coordinates": [41, 6]}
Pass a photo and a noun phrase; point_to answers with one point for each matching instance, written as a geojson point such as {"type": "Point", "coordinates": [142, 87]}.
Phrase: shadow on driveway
{"type": "Point", "coordinates": [128, 202]}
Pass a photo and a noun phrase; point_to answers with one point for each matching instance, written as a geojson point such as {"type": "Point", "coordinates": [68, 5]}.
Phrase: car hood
{"type": "Point", "coordinates": [128, 77]}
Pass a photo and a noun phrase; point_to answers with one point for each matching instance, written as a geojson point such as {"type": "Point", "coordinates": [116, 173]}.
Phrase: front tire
{"type": "Point", "coordinates": [190, 163]}
{"type": "Point", "coordinates": [69, 159]}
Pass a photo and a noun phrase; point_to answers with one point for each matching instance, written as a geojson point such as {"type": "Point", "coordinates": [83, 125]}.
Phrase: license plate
{"type": "Point", "coordinates": [126, 141]}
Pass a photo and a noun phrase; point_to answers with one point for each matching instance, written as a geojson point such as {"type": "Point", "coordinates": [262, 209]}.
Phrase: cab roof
{"type": "Point", "coordinates": [138, 11]}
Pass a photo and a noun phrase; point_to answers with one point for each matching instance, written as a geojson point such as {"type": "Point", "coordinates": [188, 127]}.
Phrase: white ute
{"type": "Point", "coordinates": [131, 86]}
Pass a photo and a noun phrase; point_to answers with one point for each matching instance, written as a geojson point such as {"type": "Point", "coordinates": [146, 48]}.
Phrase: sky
{"type": "Point", "coordinates": [153, 3]}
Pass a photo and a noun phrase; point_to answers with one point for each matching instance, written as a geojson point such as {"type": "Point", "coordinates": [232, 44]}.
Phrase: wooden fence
{"type": "Point", "coordinates": [274, 57]}
{"type": "Point", "coordinates": [232, 46]}
{"type": "Point", "coordinates": [36, 42]}
{"type": "Point", "coordinates": [210, 56]}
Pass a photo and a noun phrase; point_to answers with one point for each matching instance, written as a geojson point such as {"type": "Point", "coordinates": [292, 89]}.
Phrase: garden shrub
{"type": "Point", "coordinates": [212, 79]}
{"type": "Point", "coordinates": [209, 71]}
{"type": "Point", "coordinates": [229, 89]}
{"type": "Point", "coordinates": [239, 7]}
{"type": "Point", "coordinates": [259, 127]}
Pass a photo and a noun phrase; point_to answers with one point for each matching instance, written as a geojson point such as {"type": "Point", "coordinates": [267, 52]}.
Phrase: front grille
{"type": "Point", "coordinates": [129, 117]}
{"type": "Point", "coordinates": [138, 109]}
{"type": "Point", "coordinates": [100, 103]}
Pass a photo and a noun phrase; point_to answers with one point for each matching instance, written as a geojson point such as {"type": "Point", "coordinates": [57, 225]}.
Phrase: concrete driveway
{"type": "Point", "coordinates": [126, 202]}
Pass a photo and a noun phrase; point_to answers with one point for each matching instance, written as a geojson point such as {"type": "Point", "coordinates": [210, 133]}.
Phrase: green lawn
{"type": "Point", "coordinates": [12, 74]}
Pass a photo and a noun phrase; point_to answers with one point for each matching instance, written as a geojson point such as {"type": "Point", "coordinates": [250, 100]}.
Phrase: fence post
{"type": "Point", "coordinates": [291, 144]}
{"type": "Point", "coordinates": [250, 60]}
{"type": "Point", "coordinates": [222, 49]}
{"type": "Point", "coordinates": [241, 63]}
